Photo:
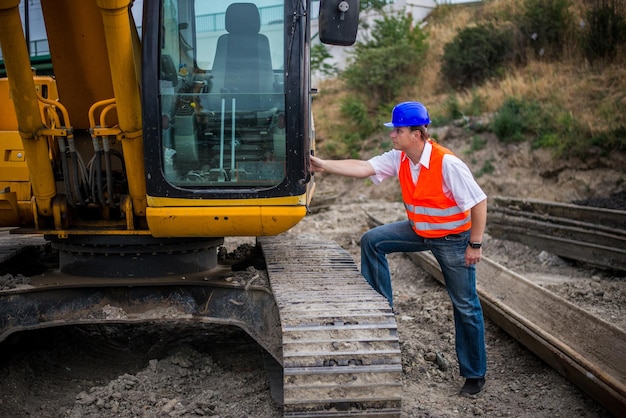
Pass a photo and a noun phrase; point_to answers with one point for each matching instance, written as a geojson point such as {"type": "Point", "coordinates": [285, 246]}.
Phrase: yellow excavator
{"type": "Point", "coordinates": [152, 142]}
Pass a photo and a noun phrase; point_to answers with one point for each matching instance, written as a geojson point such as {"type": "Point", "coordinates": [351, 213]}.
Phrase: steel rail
{"type": "Point", "coordinates": [592, 235]}
{"type": "Point", "coordinates": [588, 214]}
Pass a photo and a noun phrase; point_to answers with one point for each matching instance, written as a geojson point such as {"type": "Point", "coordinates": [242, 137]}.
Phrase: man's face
{"type": "Point", "coordinates": [402, 137]}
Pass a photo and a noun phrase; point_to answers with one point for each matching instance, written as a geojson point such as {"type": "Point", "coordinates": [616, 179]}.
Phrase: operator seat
{"type": "Point", "coordinates": [243, 63]}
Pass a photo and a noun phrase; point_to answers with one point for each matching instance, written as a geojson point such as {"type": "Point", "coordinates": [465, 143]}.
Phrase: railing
{"type": "Point", "coordinates": [38, 48]}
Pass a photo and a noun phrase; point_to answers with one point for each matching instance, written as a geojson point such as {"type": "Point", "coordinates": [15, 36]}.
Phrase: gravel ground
{"type": "Point", "coordinates": [190, 371]}
{"type": "Point", "coordinates": [154, 371]}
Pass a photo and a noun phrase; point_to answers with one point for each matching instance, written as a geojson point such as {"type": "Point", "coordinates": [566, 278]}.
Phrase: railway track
{"type": "Point", "coordinates": [592, 235]}
{"type": "Point", "coordinates": [585, 349]}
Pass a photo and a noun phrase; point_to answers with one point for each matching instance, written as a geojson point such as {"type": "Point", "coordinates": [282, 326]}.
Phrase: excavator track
{"type": "Point", "coordinates": [341, 353]}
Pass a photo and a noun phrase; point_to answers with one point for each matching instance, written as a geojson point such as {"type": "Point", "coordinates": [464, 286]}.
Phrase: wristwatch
{"type": "Point", "coordinates": [475, 244]}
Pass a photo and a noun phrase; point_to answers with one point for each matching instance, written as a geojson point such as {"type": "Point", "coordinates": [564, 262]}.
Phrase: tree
{"type": "Point", "coordinates": [390, 60]}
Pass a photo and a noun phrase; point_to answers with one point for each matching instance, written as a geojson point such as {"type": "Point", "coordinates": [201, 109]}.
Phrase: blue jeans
{"type": "Point", "coordinates": [460, 283]}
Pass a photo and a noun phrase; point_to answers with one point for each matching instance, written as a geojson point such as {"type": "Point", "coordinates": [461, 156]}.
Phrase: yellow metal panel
{"type": "Point", "coordinates": [12, 158]}
{"type": "Point", "coordinates": [20, 188]}
{"type": "Point", "coordinates": [23, 92]}
{"type": "Point", "coordinates": [8, 209]}
{"type": "Point", "coordinates": [79, 55]}
{"type": "Point", "coordinates": [222, 221]}
{"type": "Point", "coordinates": [44, 85]}
{"type": "Point", "coordinates": [8, 120]}
{"type": "Point", "coordinates": [270, 201]}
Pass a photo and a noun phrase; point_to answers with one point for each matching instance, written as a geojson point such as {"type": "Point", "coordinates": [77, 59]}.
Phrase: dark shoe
{"type": "Point", "coordinates": [472, 386]}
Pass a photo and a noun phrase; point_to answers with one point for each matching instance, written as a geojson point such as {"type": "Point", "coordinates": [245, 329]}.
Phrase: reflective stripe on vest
{"type": "Point", "coordinates": [431, 213]}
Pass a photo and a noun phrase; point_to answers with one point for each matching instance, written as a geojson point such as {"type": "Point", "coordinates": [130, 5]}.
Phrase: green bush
{"type": "Point", "coordinates": [516, 120]}
{"type": "Point", "coordinates": [478, 143]}
{"type": "Point", "coordinates": [453, 108]}
{"type": "Point", "coordinates": [560, 131]}
{"type": "Point", "coordinates": [547, 125]}
{"type": "Point", "coordinates": [543, 124]}
{"type": "Point", "coordinates": [356, 126]}
{"type": "Point", "coordinates": [487, 168]}
{"type": "Point", "coordinates": [547, 26]}
{"type": "Point", "coordinates": [604, 32]}
{"type": "Point", "coordinates": [319, 55]}
{"type": "Point", "coordinates": [389, 61]}
{"type": "Point", "coordinates": [356, 114]}
{"type": "Point", "coordinates": [476, 54]}
{"type": "Point", "coordinates": [614, 139]}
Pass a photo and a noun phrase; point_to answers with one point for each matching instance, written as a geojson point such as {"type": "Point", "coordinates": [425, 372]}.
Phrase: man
{"type": "Point", "coordinates": [447, 213]}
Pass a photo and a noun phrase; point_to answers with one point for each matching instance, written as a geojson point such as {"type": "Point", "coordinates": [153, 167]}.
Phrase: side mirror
{"type": "Point", "coordinates": [338, 21]}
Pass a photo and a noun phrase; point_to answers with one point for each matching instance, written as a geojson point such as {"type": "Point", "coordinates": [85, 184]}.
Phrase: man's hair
{"type": "Point", "coordinates": [422, 128]}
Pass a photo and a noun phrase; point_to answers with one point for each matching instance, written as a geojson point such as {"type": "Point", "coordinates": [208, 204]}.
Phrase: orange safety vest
{"type": "Point", "coordinates": [431, 212]}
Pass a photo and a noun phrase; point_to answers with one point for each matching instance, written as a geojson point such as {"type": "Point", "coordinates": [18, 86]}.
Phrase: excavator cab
{"type": "Point", "coordinates": [222, 98]}
{"type": "Point", "coordinates": [226, 84]}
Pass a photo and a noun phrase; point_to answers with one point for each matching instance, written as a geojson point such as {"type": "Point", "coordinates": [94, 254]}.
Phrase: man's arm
{"type": "Point", "coordinates": [349, 168]}
{"type": "Point", "coordinates": [479, 221]}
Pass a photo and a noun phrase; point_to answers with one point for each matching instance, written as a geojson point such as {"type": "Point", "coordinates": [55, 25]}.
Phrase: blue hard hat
{"type": "Point", "coordinates": [408, 114]}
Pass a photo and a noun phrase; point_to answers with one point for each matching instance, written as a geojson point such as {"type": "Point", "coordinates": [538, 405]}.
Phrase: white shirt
{"type": "Point", "coordinates": [458, 182]}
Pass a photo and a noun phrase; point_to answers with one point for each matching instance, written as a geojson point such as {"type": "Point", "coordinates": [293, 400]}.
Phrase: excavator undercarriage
{"type": "Point", "coordinates": [331, 341]}
{"type": "Point", "coordinates": [155, 140]}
